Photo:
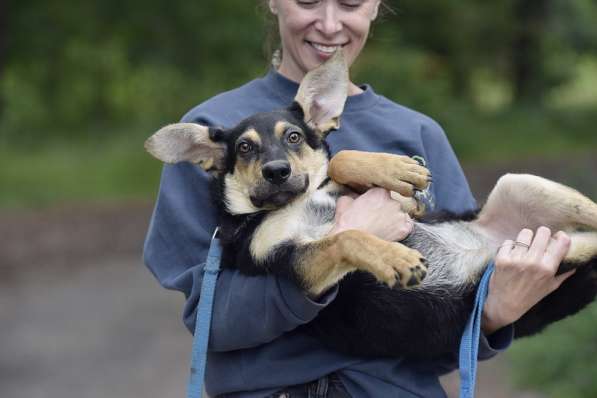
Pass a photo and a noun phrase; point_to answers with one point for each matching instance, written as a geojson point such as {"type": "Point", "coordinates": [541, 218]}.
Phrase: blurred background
{"type": "Point", "coordinates": [82, 84]}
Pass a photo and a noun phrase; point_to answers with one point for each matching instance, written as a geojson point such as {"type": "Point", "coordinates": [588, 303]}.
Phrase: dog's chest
{"type": "Point", "coordinates": [305, 220]}
{"type": "Point", "coordinates": [318, 213]}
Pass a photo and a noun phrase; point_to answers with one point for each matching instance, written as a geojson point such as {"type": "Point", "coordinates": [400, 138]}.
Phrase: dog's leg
{"type": "Point", "coordinates": [322, 263]}
{"type": "Point", "coordinates": [364, 170]}
{"type": "Point", "coordinates": [525, 201]}
{"type": "Point", "coordinates": [583, 248]}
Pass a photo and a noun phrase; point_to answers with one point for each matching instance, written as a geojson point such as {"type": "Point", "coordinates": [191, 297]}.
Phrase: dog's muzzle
{"type": "Point", "coordinates": [271, 195]}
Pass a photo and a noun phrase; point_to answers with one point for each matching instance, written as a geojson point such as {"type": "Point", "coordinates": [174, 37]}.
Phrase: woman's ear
{"type": "Point", "coordinates": [272, 7]}
{"type": "Point", "coordinates": [375, 9]}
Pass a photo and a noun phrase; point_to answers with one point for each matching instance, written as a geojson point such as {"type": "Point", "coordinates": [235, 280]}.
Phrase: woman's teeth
{"type": "Point", "coordinates": [325, 49]}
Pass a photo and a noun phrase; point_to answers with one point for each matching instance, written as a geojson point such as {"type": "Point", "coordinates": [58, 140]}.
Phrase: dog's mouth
{"type": "Point", "coordinates": [271, 196]}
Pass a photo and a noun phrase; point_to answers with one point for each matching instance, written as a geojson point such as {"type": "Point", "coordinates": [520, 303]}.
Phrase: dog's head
{"type": "Point", "coordinates": [270, 158]}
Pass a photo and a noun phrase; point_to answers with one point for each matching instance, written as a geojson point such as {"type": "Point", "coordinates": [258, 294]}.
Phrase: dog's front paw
{"type": "Point", "coordinates": [404, 175]}
{"type": "Point", "coordinates": [399, 264]}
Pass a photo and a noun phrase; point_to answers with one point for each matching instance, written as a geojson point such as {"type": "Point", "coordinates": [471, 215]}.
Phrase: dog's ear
{"type": "Point", "coordinates": [189, 142]}
{"type": "Point", "coordinates": [323, 92]}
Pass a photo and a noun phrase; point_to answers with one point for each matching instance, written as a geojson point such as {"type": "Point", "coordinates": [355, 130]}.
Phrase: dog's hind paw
{"type": "Point", "coordinates": [414, 269]}
{"type": "Point", "coordinates": [418, 273]}
{"type": "Point", "coordinates": [400, 265]}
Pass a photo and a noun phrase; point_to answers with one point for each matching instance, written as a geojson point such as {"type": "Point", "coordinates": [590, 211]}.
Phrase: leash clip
{"type": "Point", "coordinates": [215, 235]}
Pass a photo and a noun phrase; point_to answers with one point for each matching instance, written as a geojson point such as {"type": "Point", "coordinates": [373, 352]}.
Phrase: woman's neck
{"type": "Point", "coordinates": [353, 89]}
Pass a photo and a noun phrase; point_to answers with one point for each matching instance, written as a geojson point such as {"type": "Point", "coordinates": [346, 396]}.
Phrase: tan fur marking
{"type": "Point", "coordinates": [328, 260]}
{"type": "Point", "coordinates": [583, 247]}
{"type": "Point", "coordinates": [207, 163]}
{"type": "Point", "coordinates": [239, 185]}
{"type": "Point", "coordinates": [332, 124]}
{"type": "Point", "coordinates": [364, 170]}
{"type": "Point", "coordinates": [252, 135]}
{"type": "Point", "coordinates": [308, 161]}
{"type": "Point", "coordinates": [280, 129]}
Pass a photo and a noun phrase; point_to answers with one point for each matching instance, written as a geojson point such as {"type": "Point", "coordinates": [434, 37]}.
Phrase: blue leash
{"type": "Point", "coordinates": [469, 344]}
{"type": "Point", "coordinates": [203, 320]}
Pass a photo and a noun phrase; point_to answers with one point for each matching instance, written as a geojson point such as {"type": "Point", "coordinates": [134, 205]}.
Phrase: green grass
{"type": "Point", "coordinates": [508, 135]}
{"type": "Point", "coordinates": [561, 361]}
{"type": "Point", "coordinates": [111, 169]}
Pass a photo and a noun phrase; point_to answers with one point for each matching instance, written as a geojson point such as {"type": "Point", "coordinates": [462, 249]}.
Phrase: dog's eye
{"type": "Point", "coordinates": [294, 138]}
{"type": "Point", "coordinates": [244, 147]}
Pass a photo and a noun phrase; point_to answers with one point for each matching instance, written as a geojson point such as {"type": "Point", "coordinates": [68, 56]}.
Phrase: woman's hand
{"type": "Point", "coordinates": [374, 212]}
{"type": "Point", "coordinates": [524, 274]}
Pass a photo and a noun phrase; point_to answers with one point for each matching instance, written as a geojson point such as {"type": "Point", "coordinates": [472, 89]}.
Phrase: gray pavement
{"type": "Point", "coordinates": [104, 329]}
{"type": "Point", "coordinates": [107, 329]}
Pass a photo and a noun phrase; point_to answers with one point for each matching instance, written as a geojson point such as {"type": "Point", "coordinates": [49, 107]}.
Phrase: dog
{"type": "Point", "coordinates": [277, 189]}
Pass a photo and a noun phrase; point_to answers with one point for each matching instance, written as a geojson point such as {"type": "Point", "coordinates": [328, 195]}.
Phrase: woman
{"type": "Point", "coordinates": [256, 349]}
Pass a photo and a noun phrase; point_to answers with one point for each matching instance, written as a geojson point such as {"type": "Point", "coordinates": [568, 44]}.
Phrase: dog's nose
{"type": "Point", "coordinates": [276, 171]}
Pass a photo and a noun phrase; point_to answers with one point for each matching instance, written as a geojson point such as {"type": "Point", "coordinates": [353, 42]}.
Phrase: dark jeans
{"type": "Point", "coordinates": [329, 386]}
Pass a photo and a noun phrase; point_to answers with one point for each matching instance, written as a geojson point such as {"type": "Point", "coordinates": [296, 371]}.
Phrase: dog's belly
{"type": "Point", "coordinates": [370, 319]}
{"type": "Point", "coordinates": [456, 253]}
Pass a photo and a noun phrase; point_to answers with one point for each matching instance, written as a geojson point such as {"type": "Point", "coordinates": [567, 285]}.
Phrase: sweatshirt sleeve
{"type": "Point", "coordinates": [248, 310]}
{"type": "Point", "coordinates": [450, 188]}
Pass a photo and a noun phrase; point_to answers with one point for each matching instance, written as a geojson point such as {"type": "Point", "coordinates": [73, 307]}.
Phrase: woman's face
{"type": "Point", "coordinates": [311, 30]}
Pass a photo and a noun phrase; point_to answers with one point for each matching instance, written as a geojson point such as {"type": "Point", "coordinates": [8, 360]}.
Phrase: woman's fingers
{"type": "Point", "coordinates": [505, 251]}
{"type": "Point", "coordinates": [540, 243]}
{"type": "Point", "coordinates": [522, 243]}
{"type": "Point", "coordinates": [556, 250]}
{"type": "Point", "coordinates": [343, 202]}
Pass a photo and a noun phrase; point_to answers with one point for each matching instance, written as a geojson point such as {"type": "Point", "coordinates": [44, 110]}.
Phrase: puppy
{"type": "Point", "coordinates": [278, 189]}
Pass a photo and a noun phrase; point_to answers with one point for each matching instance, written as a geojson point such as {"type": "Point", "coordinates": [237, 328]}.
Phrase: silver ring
{"type": "Point", "coordinates": [514, 244]}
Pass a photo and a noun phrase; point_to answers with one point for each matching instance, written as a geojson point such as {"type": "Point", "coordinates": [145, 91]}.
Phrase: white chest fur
{"type": "Point", "coordinates": [306, 219]}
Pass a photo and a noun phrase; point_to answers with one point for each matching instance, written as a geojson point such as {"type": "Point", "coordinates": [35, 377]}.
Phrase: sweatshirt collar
{"type": "Point", "coordinates": [286, 89]}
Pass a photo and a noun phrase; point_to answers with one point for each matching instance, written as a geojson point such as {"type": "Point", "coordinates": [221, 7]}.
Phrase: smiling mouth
{"type": "Point", "coordinates": [326, 49]}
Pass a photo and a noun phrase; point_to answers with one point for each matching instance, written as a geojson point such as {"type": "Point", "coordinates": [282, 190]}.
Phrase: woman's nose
{"type": "Point", "coordinates": [329, 21]}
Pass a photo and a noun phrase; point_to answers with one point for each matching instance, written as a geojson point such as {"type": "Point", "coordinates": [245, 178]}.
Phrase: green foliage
{"type": "Point", "coordinates": [561, 361]}
{"type": "Point", "coordinates": [131, 63]}
{"type": "Point", "coordinates": [67, 171]}
{"type": "Point", "coordinates": [121, 63]}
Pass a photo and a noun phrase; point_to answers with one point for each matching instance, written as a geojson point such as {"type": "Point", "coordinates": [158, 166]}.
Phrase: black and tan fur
{"type": "Point", "coordinates": [272, 177]}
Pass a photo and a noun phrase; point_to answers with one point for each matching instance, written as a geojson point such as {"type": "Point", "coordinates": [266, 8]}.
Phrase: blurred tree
{"type": "Point", "coordinates": [3, 44]}
{"type": "Point", "coordinates": [71, 64]}
{"type": "Point", "coordinates": [531, 19]}
{"type": "Point", "coordinates": [525, 42]}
